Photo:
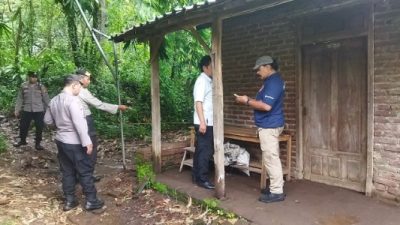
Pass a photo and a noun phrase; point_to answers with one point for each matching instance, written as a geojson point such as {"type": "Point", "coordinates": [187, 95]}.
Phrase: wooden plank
{"type": "Point", "coordinates": [248, 134]}
{"type": "Point", "coordinates": [218, 108]}
{"type": "Point", "coordinates": [155, 104]}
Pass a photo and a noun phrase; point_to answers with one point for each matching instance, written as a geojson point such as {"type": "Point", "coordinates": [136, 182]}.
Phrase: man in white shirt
{"type": "Point", "coordinates": [87, 100]}
{"type": "Point", "coordinates": [203, 123]}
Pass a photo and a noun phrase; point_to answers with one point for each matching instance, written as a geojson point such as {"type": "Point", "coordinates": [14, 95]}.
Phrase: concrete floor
{"type": "Point", "coordinates": [307, 203]}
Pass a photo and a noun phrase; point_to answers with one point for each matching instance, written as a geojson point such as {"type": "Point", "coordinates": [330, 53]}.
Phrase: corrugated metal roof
{"type": "Point", "coordinates": [179, 10]}
{"type": "Point", "coordinates": [193, 15]}
{"type": "Point", "coordinates": [173, 13]}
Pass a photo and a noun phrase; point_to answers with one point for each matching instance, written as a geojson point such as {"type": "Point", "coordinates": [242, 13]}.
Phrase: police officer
{"type": "Point", "coordinates": [31, 104]}
{"type": "Point", "coordinates": [88, 100]}
{"type": "Point", "coordinates": [73, 144]}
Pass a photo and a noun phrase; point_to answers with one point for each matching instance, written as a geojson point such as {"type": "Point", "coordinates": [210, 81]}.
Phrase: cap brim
{"type": "Point", "coordinates": [256, 67]}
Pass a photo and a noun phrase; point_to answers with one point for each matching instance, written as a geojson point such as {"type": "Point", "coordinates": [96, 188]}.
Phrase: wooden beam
{"type": "Point", "coordinates": [218, 108]}
{"type": "Point", "coordinates": [197, 36]}
{"type": "Point", "coordinates": [155, 103]}
{"type": "Point", "coordinates": [300, 107]}
{"type": "Point", "coordinates": [369, 186]}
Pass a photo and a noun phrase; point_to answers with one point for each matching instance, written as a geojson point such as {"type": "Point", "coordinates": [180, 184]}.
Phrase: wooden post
{"type": "Point", "coordinates": [369, 186]}
{"type": "Point", "coordinates": [218, 107]}
{"type": "Point", "coordinates": [155, 104]}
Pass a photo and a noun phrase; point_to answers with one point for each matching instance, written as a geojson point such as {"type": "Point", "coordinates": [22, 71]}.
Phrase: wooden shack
{"type": "Point", "coordinates": [341, 63]}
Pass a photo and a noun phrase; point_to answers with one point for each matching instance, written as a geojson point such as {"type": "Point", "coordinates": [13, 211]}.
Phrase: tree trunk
{"type": "Point", "coordinates": [100, 18]}
{"type": "Point", "coordinates": [30, 29]}
{"type": "Point", "coordinates": [18, 39]}
{"type": "Point", "coordinates": [72, 34]}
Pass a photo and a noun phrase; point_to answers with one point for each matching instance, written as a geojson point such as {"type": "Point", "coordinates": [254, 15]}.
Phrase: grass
{"type": "Point", "coordinates": [145, 172]}
{"type": "Point", "coordinates": [3, 144]}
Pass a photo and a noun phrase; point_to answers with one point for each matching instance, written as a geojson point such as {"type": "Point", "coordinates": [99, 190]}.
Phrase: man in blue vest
{"type": "Point", "coordinates": [269, 118]}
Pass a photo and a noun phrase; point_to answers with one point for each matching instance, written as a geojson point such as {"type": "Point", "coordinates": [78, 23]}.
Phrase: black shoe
{"type": "Point", "coordinates": [70, 205]}
{"type": "Point", "coordinates": [265, 191]}
{"type": "Point", "coordinates": [271, 197]}
{"type": "Point", "coordinates": [206, 185]}
{"type": "Point", "coordinates": [39, 147]}
{"type": "Point", "coordinates": [97, 204]}
{"type": "Point", "coordinates": [19, 144]}
{"type": "Point", "coordinates": [97, 178]}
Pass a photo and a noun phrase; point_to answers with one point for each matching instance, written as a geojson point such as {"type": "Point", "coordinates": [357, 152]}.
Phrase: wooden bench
{"type": "Point", "coordinates": [250, 135]}
{"type": "Point", "coordinates": [247, 135]}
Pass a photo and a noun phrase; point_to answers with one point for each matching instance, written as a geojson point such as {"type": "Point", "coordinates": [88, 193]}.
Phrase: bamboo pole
{"type": "Point", "coordinates": [114, 72]}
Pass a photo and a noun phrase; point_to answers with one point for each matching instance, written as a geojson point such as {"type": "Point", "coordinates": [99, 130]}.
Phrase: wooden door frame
{"type": "Point", "coordinates": [369, 34]}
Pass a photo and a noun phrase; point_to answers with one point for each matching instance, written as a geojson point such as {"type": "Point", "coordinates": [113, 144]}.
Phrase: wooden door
{"type": "Point", "coordinates": [335, 108]}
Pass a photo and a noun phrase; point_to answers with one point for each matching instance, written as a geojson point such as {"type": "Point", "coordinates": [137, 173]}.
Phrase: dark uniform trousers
{"type": "Point", "coordinates": [26, 119]}
{"type": "Point", "coordinates": [75, 162]}
{"type": "Point", "coordinates": [93, 138]}
{"type": "Point", "coordinates": [204, 151]}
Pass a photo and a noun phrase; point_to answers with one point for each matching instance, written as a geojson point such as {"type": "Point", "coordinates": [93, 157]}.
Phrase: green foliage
{"type": "Point", "coordinates": [3, 143]}
{"type": "Point", "coordinates": [52, 39]}
{"type": "Point", "coordinates": [212, 205]}
{"type": "Point", "coordinates": [160, 187]}
{"type": "Point", "coordinates": [145, 172]}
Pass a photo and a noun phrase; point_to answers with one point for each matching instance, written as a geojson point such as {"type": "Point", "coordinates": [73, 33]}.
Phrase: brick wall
{"type": "Point", "coordinates": [387, 99]}
{"type": "Point", "coordinates": [244, 40]}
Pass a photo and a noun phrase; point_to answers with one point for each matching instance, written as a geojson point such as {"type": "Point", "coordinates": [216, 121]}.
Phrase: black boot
{"type": "Point", "coordinates": [38, 147]}
{"type": "Point", "coordinates": [70, 203]}
{"type": "Point", "coordinates": [92, 205]}
{"type": "Point", "coordinates": [20, 143]}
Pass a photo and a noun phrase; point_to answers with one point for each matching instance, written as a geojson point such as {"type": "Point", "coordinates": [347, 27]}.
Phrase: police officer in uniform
{"type": "Point", "coordinates": [74, 145]}
{"type": "Point", "coordinates": [31, 104]}
{"type": "Point", "coordinates": [88, 100]}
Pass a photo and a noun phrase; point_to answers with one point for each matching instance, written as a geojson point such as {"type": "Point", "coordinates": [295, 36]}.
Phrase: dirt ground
{"type": "Point", "coordinates": [30, 189]}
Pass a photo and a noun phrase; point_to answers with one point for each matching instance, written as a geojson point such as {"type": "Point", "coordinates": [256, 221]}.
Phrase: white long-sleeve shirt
{"type": "Point", "coordinates": [66, 113]}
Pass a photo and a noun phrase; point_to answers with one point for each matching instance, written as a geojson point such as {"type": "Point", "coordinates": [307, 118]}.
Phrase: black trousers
{"type": "Point", "coordinates": [25, 122]}
{"type": "Point", "coordinates": [76, 163]}
{"type": "Point", "coordinates": [93, 138]}
{"type": "Point", "coordinates": [204, 151]}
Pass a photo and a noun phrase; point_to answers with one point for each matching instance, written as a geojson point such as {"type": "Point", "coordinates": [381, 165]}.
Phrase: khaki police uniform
{"type": "Point", "coordinates": [66, 113]}
{"type": "Point", "coordinates": [87, 100]}
{"type": "Point", "coordinates": [32, 101]}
